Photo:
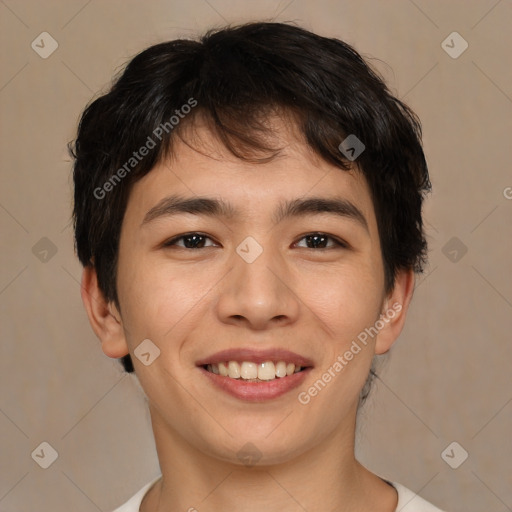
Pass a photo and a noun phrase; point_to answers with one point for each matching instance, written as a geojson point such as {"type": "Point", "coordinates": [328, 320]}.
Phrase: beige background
{"type": "Point", "coordinates": [449, 375]}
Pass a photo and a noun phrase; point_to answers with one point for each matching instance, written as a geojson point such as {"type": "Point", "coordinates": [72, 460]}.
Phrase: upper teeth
{"type": "Point", "coordinates": [248, 370]}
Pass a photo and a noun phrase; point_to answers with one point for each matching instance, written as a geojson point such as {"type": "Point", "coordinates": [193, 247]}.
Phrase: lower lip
{"type": "Point", "coordinates": [257, 391]}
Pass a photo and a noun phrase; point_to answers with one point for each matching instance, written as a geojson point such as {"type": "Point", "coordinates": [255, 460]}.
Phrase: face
{"type": "Point", "coordinates": [271, 257]}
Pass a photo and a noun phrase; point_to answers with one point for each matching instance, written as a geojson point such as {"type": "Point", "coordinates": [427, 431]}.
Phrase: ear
{"type": "Point", "coordinates": [394, 311]}
{"type": "Point", "coordinates": [104, 317]}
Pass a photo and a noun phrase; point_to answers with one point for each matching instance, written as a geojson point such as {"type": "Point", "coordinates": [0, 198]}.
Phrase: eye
{"type": "Point", "coordinates": [190, 241]}
{"type": "Point", "coordinates": [321, 241]}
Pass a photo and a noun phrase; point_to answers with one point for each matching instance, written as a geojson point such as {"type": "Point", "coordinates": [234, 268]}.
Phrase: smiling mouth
{"type": "Point", "coordinates": [252, 372]}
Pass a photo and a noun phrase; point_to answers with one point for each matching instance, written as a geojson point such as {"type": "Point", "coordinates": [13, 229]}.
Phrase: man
{"type": "Point", "coordinates": [248, 214]}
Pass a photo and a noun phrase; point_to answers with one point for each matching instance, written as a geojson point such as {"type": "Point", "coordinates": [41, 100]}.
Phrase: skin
{"type": "Point", "coordinates": [192, 303]}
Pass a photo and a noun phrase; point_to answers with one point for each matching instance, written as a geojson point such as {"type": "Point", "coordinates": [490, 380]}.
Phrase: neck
{"type": "Point", "coordinates": [325, 477]}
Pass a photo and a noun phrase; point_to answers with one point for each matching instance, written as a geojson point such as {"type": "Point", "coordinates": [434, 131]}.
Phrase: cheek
{"type": "Point", "coordinates": [345, 302]}
{"type": "Point", "coordinates": [159, 301]}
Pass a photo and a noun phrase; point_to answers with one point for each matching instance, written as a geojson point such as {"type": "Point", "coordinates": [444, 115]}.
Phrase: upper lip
{"type": "Point", "coordinates": [257, 356]}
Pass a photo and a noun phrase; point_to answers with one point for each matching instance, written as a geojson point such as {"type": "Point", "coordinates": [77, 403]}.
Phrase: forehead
{"type": "Point", "coordinates": [201, 165]}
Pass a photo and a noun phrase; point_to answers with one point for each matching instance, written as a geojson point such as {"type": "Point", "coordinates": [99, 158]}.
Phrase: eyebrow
{"type": "Point", "coordinates": [212, 207]}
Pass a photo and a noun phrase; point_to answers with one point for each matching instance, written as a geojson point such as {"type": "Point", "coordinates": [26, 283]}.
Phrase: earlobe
{"type": "Point", "coordinates": [103, 316]}
{"type": "Point", "coordinates": [395, 311]}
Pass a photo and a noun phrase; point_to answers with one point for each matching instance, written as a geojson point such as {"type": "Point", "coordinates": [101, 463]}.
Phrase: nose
{"type": "Point", "coordinates": [258, 294]}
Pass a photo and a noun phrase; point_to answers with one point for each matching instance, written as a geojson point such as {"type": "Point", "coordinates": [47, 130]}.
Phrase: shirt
{"type": "Point", "coordinates": [408, 501]}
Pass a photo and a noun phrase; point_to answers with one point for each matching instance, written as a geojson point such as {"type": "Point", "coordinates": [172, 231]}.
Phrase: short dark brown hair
{"type": "Point", "coordinates": [234, 76]}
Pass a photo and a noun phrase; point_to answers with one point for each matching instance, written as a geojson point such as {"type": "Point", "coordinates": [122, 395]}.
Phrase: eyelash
{"type": "Point", "coordinates": [338, 243]}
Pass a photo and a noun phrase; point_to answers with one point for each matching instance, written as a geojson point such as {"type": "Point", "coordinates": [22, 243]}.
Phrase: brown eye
{"type": "Point", "coordinates": [190, 241]}
{"type": "Point", "coordinates": [321, 241]}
